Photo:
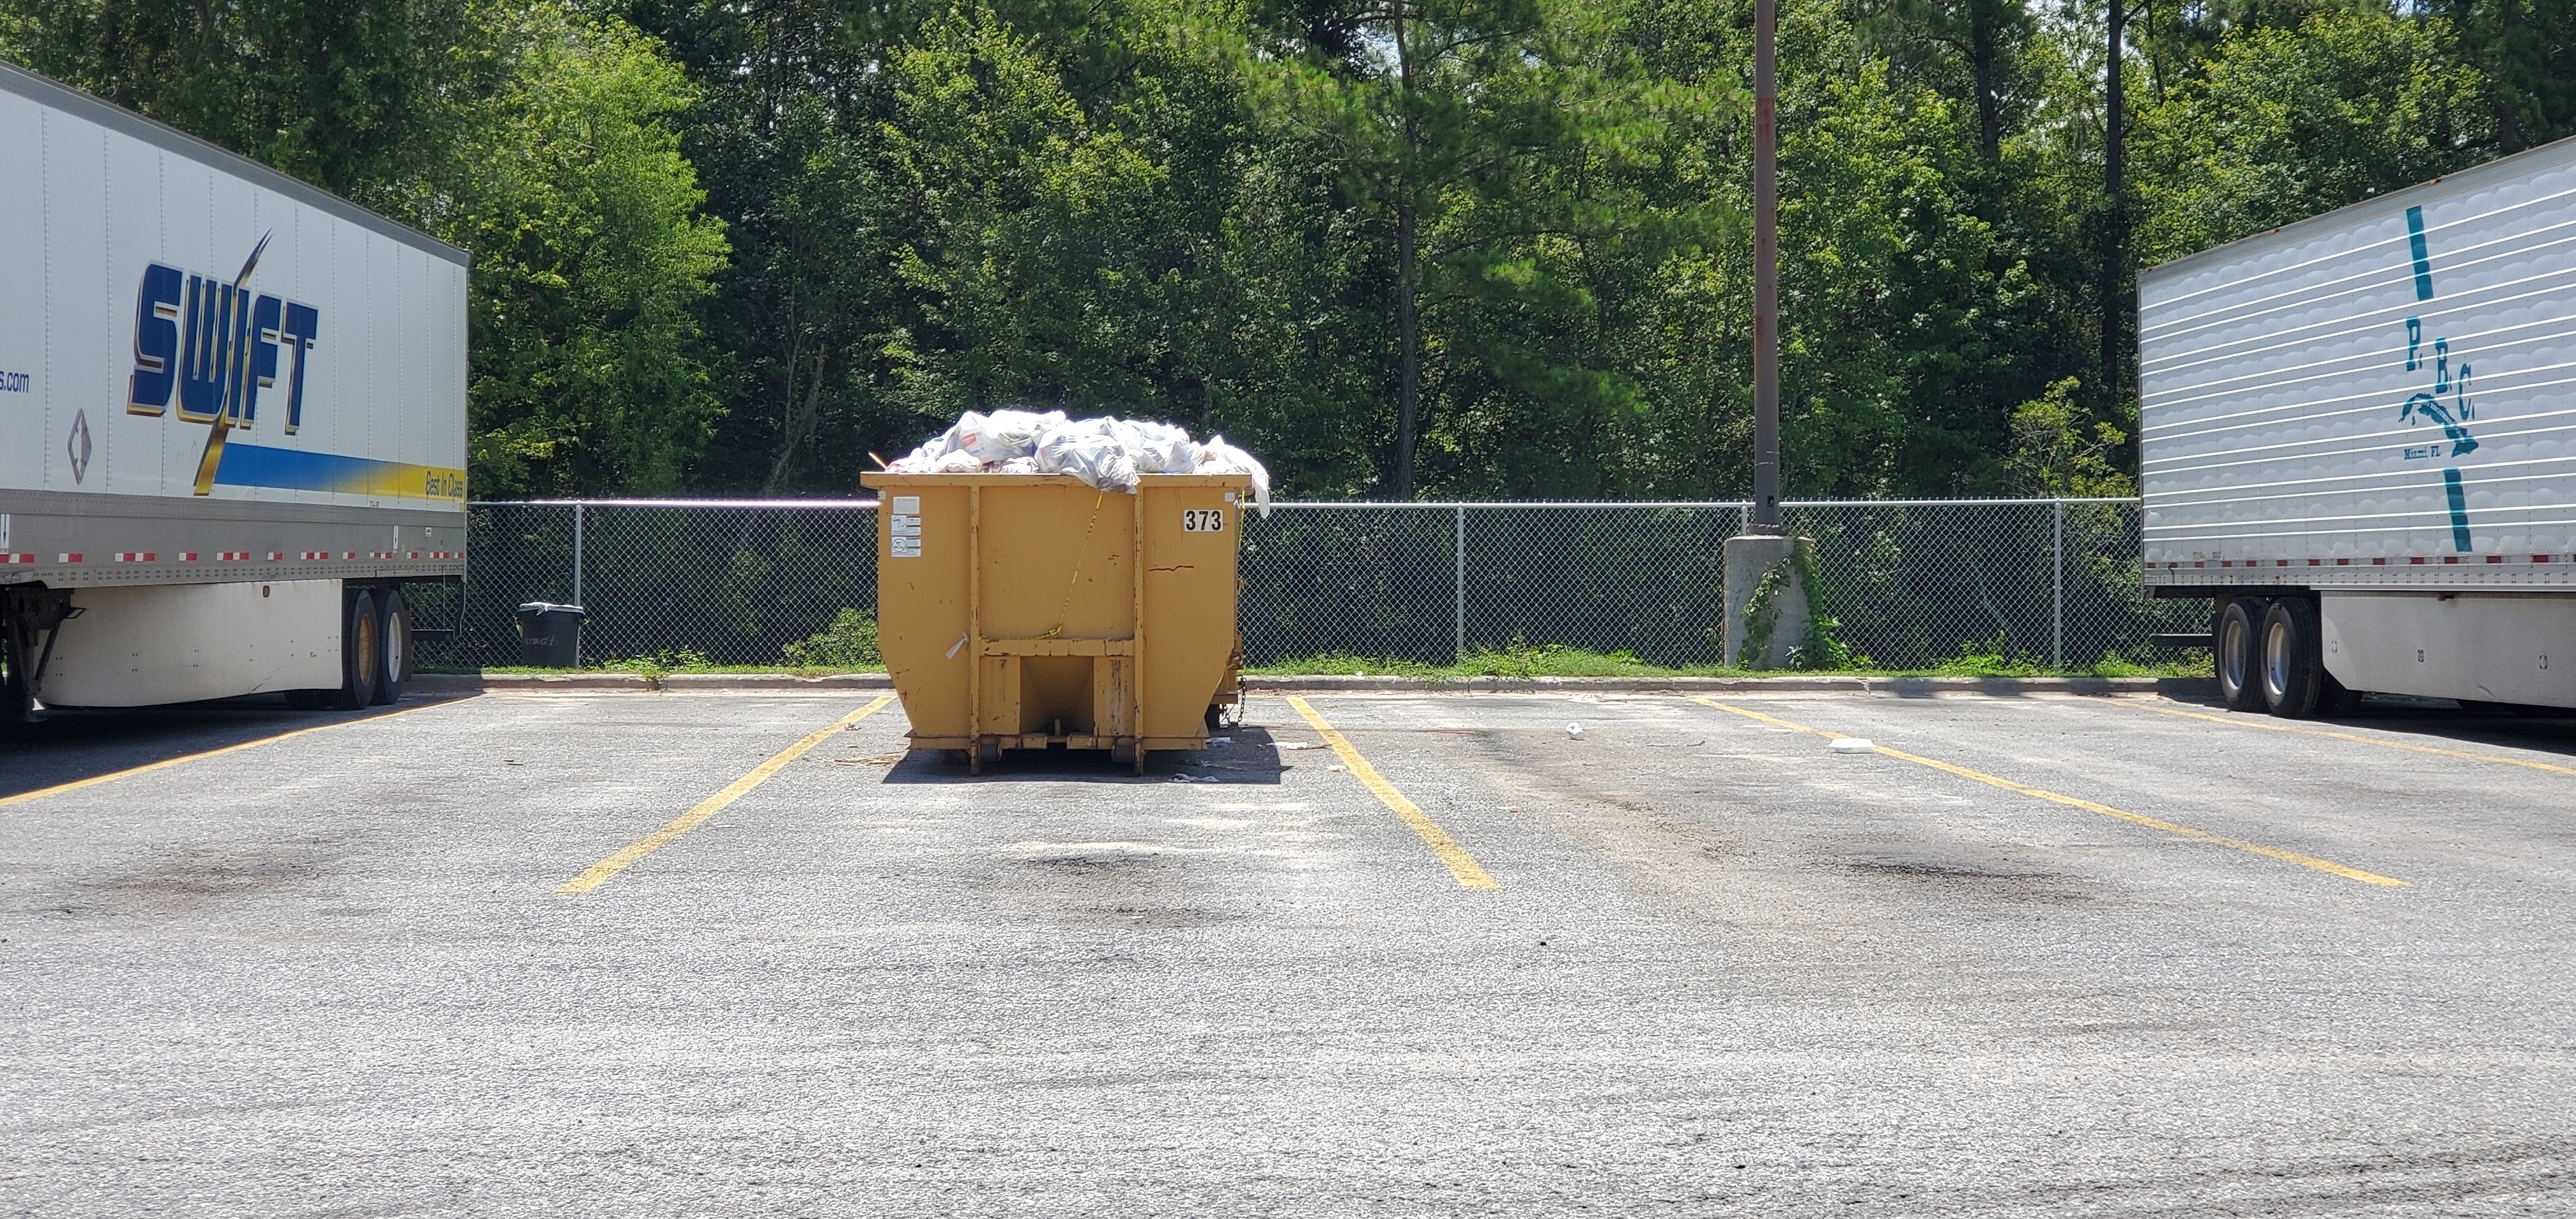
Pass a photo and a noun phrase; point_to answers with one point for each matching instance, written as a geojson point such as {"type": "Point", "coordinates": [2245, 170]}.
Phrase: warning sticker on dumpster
{"type": "Point", "coordinates": [903, 528]}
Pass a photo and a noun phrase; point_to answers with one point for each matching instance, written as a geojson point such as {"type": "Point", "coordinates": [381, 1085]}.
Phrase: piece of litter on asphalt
{"type": "Point", "coordinates": [1574, 730]}
{"type": "Point", "coordinates": [1297, 745]}
{"type": "Point", "coordinates": [1194, 779]}
{"type": "Point", "coordinates": [1219, 742]}
{"type": "Point", "coordinates": [1851, 744]}
{"type": "Point", "coordinates": [1332, 768]}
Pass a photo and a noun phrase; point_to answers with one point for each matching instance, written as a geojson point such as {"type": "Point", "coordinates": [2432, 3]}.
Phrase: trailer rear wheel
{"type": "Point", "coordinates": [394, 653]}
{"type": "Point", "coordinates": [2240, 654]}
{"type": "Point", "coordinates": [2293, 662]}
{"type": "Point", "coordinates": [361, 651]}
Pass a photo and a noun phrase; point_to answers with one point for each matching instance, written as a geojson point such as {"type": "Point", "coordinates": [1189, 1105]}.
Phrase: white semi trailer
{"type": "Point", "coordinates": [232, 420]}
{"type": "Point", "coordinates": [2358, 439]}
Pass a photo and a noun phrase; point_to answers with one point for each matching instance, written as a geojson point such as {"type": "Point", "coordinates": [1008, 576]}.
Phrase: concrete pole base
{"type": "Point", "coordinates": [1750, 557]}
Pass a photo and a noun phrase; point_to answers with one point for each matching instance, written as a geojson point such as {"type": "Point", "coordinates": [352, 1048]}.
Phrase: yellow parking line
{"type": "Point", "coordinates": [1461, 864]}
{"type": "Point", "coordinates": [599, 873]}
{"type": "Point", "coordinates": [2305, 861]}
{"type": "Point", "coordinates": [2247, 721]}
{"type": "Point", "coordinates": [166, 763]}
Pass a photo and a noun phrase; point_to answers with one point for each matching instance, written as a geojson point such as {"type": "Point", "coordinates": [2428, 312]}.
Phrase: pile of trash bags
{"type": "Point", "coordinates": [1104, 453]}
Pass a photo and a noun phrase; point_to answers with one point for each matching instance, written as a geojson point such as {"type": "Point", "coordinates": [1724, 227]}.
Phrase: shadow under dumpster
{"type": "Point", "coordinates": [1248, 756]}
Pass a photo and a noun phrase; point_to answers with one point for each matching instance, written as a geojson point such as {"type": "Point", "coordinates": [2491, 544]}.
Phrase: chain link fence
{"type": "Point", "coordinates": [1908, 584]}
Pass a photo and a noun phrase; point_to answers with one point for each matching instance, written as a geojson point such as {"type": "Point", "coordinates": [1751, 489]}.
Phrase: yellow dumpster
{"type": "Point", "coordinates": [1015, 612]}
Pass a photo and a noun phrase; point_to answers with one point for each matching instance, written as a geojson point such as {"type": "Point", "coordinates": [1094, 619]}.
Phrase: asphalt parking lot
{"type": "Point", "coordinates": [610, 954]}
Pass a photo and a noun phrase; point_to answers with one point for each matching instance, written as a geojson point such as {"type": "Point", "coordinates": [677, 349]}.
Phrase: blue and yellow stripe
{"type": "Point", "coordinates": [250, 465]}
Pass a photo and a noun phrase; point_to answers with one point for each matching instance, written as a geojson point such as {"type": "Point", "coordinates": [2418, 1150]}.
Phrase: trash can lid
{"type": "Point", "coordinates": [549, 607]}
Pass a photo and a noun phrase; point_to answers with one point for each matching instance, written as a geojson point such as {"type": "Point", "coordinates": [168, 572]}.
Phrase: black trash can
{"type": "Point", "coordinates": [550, 635]}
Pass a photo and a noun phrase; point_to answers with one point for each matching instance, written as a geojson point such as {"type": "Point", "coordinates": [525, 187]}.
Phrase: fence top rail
{"type": "Point", "coordinates": [1716, 504]}
{"type": "Point", "coordinates": [1439, 505]}
{"type": "Point", "coordinates": [672, 503]}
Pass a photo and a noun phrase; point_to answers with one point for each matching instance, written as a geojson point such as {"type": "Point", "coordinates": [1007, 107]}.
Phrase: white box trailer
{"type": "Point", "coordinates": [2357, 436]}
{"type": "Point", "coordinates": [232, 420]}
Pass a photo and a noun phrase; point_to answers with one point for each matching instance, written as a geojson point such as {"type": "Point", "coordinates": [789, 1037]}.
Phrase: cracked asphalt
{"type": "Point", "coordinates": [2049, 956]}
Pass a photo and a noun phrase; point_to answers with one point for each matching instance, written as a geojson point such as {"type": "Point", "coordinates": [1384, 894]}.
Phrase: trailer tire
{"type": "Point", "coordinates": [393, 667]}
{"type": "Point", "coordinates": [2293, 661]}
{"type": "Point", "coordinates": [2238, 644]}
{"type": "Point", "coordinates": [361, 651]}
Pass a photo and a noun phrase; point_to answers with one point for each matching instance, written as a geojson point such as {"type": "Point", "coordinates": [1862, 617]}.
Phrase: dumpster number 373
{"type": "Point", "coordinates": [1202, 520]}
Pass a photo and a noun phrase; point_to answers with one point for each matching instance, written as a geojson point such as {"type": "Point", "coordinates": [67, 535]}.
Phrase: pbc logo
{"type": "Point", "coordinates": [217, 345]}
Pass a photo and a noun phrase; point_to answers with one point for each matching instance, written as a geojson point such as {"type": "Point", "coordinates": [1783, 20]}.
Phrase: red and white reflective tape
{"type": "Point", "coordinates": [137, 556]}
{"type": "Point", "coordinates": [2413, 561]}
{"type": "Point", "coordinates": [275, 555]}
{"type": "Point", "coordinates": [312, 555]}
{"type": "Point", "coordinates": [10, 560]}
{"type": "Point", "coordinates": [73, 557]}
{"type": "Point", "coordinates": [232, 556]}
{"type": "Point", "coordinates": [187, 556]}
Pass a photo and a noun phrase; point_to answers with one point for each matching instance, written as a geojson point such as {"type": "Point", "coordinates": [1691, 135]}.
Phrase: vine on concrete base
{"type": "Point", "coordinates": [1818, 648]}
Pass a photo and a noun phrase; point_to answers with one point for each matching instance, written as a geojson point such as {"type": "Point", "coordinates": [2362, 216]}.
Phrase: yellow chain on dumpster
{"type": "Point", "coordinates": [1065, 609]}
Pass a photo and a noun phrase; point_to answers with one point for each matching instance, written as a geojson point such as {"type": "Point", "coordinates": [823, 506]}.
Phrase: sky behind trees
{"type": "Point", "coordinates": [1398, 248]}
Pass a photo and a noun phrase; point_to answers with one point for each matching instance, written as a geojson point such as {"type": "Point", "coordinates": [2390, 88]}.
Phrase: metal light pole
{"type": "Point", "coordinates": [1765, 549]}
{"type": "Point", "coordinates": [1766, 274]}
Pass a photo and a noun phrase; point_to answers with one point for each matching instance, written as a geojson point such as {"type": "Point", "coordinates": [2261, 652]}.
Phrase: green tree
{"type": "Point", "coordinates": [534, 136]}
{"type": "Point", "coordinates": [2286, 123]}
{"type": "Point", "coordinates": [566, 181]}
{"type": "Point", "coordinates": [338, 92]}
{"type": "Point", "coordinates": [2526, 52]}
{"type": "Point", "coordinates": [1427, 106]}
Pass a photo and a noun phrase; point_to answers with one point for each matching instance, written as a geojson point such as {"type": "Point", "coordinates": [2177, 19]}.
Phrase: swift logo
{"type": "Point", "coordinates": [216, 345]}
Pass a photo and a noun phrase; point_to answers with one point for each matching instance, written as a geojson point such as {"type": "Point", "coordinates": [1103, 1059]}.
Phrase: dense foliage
{"type": "Point", "coordinates": [1462, 248]}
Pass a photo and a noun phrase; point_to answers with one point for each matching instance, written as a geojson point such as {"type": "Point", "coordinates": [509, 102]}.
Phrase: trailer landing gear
{"type": "Point", "coordinates": [28, 619]}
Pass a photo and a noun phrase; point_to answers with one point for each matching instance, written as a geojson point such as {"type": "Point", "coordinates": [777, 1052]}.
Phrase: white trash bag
{"type": "Point", "coordinates": [1103, 452]}
{"type": "Point", "coordinates": [1157, 448]}
{"type": "Point", "coordinates": [1087, 455]}
{"type": "Point", "coordinates": [1218, 457]}
{"type": "Point", "coordinates": [1004, 435]}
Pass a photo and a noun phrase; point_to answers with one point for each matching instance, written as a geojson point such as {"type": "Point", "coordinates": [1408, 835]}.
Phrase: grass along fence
{"type": "Point", "coordinates": [1923, 585]}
